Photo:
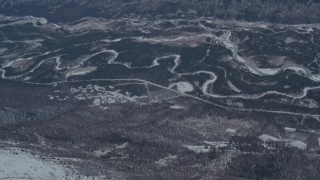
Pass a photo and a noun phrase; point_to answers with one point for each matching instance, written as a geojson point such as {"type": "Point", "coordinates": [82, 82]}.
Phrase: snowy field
{"type": "Point", "coordinates": [21, 164]}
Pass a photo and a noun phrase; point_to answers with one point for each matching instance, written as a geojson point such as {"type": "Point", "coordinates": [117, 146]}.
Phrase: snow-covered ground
{"type": "Point", "coordinates": [288, 129]}
{"type": "Point", "coordinates": [165, 161]}
{"type": "Point", "coordinates": [266, 138]}
{"type": "Point", "coordinates": [298, 144]}
{"type": "Point", "coordinates": [198, 149]}
{"type": "Point", "coordinates": [80, 71]}
{"type": "Point", "coordinates": [231, 131]}
{"type": "Point", "coordinates": [177, 107]}
{"type": "Point", "coordinates": [21, 164]}
{"type": "Point", "coordinates": [183, 87]}
{"type": "Point", "coordinates": [217, 144]}
{"type": "Point", "coordinates": [288, 142]}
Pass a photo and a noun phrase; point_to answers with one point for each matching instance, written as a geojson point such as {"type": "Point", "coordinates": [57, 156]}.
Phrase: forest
{"type": "Point", "coordinates": [278, 11]}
